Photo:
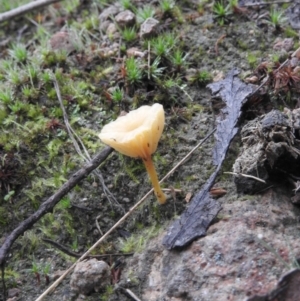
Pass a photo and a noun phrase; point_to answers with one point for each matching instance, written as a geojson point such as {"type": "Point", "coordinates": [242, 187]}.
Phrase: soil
{"type": "Point", "coordinates": [254, 239]}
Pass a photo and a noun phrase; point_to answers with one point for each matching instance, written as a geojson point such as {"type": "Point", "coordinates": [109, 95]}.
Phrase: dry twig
{"type": "Point", "coordinates": [77, 255]}
{"type": "Point", "coordinates": [21, 10]}
{"type": "Point", "coordinates": [246, 176]}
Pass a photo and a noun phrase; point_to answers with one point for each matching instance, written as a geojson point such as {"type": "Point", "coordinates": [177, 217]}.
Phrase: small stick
{"type": "Point", "coordinates": [77, 255]}
{"type": "Point", "coordinates": [117, 224]}
{"type": "Point", "coordinates": [171, 189]}
{"type": "Point", "coordinates": [148, 60]}
{"type": "Point", "coordinates": [265, 3]}
{"type": "Point", "coordinates": [21, 10]}
{"type": "Point", "coordinates": [97, 225]}
{"type": "Point", "coordinates": [219, 40]}
{"type": "Point", "coordinates": [246, 176]}
{"type": "Point", "coordinates": [131, 294]}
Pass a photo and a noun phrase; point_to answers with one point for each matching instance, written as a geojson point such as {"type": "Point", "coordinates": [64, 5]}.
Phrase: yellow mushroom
{"type": "Point", "coordinates": [136, 135]}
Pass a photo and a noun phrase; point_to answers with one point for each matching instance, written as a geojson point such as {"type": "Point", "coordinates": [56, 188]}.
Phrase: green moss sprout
{"type": "Point", "coordinates": [19, 53]}
{"type": "Point", "coordinates": [144, 13]}
{"type": "Point", "coordinates": [221, 12]}
{"type": "Point", "coordinates": [166, 6]}
{"type": "Point", "coordinates": [133, 71]}
{"type": "Point", "coordinates": [277, 18]}
{"type": "Point", "coordinates": [129, 34]}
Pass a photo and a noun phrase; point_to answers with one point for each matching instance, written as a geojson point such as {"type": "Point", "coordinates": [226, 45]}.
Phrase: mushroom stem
{"type": "Point", "coordinates": [161, 197]}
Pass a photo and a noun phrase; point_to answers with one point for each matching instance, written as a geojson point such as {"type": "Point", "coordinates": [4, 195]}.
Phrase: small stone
{"type": "Point", "coordinates": [283, 44]}
{"type": "Point", "coordinates": [63, 40]}
{"type": "Point", "coordinates": [104, 25]}
{"type": "Point", "coordinates": [125, 18]}
{"type": "Point", "coordinates": [89, 276]}
{"type": "Point", "coordinates": [149, 28]}
{"type": "Point", "coordinates": [111, 29]}
{"type": "Point", "coordinates": [13, 292]}
{"type": "Point", "coordinates": [126, 200]}
{"type": "Point", "coordinates": [135, 52]}
{"type": "Point", "coordinates": [110, 11]}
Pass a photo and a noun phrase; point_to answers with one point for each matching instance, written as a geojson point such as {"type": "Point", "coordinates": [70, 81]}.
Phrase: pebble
{"type": "Point", "coordinates": [125, 18]}
{"type": "Point", "coordinates": [63, 40]}
{"type": "Point", "coordinates": [89, 276]}
{"type": "Point", "coordinates": [149, 28]}
{"type": "Point", "coordinates": [110, 11]}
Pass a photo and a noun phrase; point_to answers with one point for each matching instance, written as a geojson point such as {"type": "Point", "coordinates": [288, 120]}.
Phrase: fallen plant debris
{"type": "Point", "coordinates": [195, 220]}
{"type": "Point", "coordinates": [270, 151]}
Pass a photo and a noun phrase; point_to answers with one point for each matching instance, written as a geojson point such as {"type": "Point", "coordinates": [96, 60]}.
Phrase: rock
{"type": "Point", "coordinates": [111, 29]}
{"type": "Point", "coordinates": [110, 11]}
{"type": "Point", "coordinates": [13, 292]}
{"type": "Point", "coordinates": [286, 44]}
{"type": "Point", "coordinates": [104, 25]}
{"type": "Point", "coordinates": [63, 40]}
{"type": "Point", "coordinates": [125, 18]}
{"type": "Point", "coordinates": [89, 276]}
{"type": "Point", "coordinates": [149, 28]}
{"type": "Point", "coordinates": [135, 52]}
{"type": "Point", "coordinates": [231, 262]}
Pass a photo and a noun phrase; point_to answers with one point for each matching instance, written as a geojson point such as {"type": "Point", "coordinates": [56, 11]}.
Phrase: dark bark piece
{"type": "Point", "coordinates": [49, 204]}
{"type": "Point", "coordinates": [287, 289]}
{"type": "Point", "coordinates": [234, 93]}
{"type": "Point", "coordinates": [195, 220]}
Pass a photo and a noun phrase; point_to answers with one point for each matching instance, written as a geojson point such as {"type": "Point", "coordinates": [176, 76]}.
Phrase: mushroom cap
{"type": "Point", "coordinates": [137, 133]}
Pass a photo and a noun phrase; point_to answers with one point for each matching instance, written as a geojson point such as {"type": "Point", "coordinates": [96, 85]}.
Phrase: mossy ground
{"type": "Point", "coordinates": [37, 155]}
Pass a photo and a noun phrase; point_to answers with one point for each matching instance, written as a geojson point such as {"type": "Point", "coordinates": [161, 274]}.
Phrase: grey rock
{"type": "Point", "coordinates": [111, 29]}
{"type": "Point", "coordinates": [89, 276]}
{"type": "Point", "coordinates": [229, 263]}
{"type": "Point", "coordinates": [125, 18]}
{"type": "Point", "coordinates": [104, 25]}
{"type": "Point", "coordinates": [13, 292]}
{"type": "Point", "coordinates": [149, 28]}
{"type": "Point", "coordinates": [63, 40]}
{"type": "Point", "coordinates": [110, 11]}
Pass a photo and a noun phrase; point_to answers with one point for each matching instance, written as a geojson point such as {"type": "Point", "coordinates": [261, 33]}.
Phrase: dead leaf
{"type": "Point", "coordinates": [188, 197]}
{"type": "Point", "coordinates": [217, 191]}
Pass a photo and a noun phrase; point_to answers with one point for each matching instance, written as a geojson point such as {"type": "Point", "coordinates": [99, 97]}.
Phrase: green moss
{"type": "Point", "coordinates": [137, 242]}
{"type": "Point", "coordinates": [291, 33]}
{"type": "Point", "coordinates": [252, 59]}
{"type": "Point", "coordinates": [109, 290]}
